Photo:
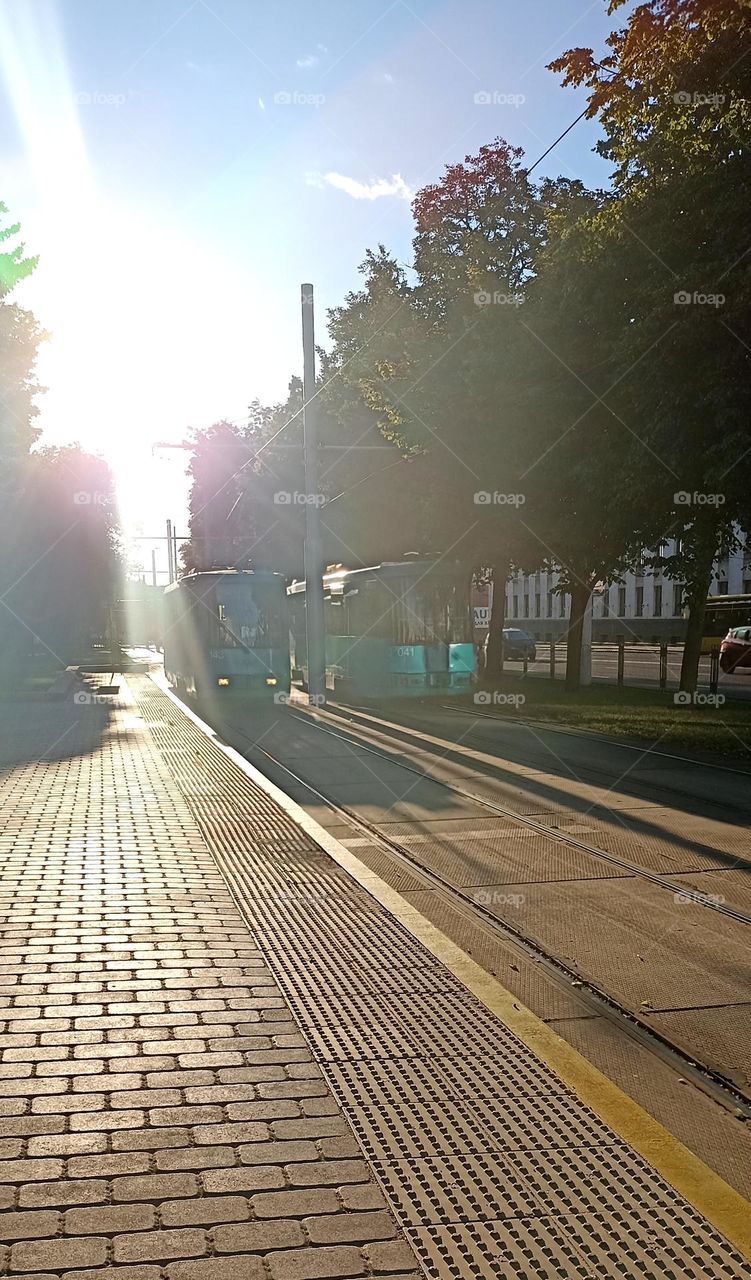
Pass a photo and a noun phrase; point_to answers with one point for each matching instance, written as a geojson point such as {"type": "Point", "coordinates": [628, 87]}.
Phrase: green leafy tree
{"type": "Point", "coordinates": [673, 97]}
{"type": "Point", "coordinates": [20, 337]}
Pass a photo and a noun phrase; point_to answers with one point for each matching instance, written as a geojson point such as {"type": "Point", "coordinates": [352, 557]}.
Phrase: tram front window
{"type": "Point", "coordinates": [250, 615]}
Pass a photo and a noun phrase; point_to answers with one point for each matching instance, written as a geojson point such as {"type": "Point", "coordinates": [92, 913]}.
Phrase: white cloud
{"type": "Point", "coordinates": [375, 190]}
{"type": "Point", "coordinates": [261, 104]}
{"type": "Point", "coordinates": [312, 59]}
{"type": "Point", "coordinates": [384, 77]}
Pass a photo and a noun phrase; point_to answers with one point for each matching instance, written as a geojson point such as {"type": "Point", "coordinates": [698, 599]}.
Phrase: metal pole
{"type": "Point", "coordinates": [170, 568]}
{"type": "Point", "coordinates": [174, 554]}
{"type": "Point", "coordinates": [621, 660]}
{"type": "Point", "coordinates": [153, 566]}
{"type": "Point", "coordinates": [552, 657]}
{"type": "Point", "coordinates": [663, 666]}
{"type": "Point", "coordinates": [314, 614]}
{"type": "Point", "coordinates": [714, 670]}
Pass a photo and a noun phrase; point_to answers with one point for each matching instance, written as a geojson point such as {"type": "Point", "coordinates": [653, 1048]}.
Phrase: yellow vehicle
{"type": "Point", "coordinates": [724, 613]}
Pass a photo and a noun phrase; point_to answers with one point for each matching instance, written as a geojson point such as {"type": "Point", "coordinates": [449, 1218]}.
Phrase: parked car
{"type": "Point", "coordinates": [517, 645]}
{"type": "Point", "coordinates": [735, 650]}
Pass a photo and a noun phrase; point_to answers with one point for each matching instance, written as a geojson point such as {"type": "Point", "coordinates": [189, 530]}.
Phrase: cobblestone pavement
{"type": "Point", "coordinates": [161, 1117]}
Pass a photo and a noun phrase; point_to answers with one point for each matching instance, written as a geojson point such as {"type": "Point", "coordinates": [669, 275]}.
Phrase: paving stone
{"type": "Point", "coordinates": [30, 1170]}
{"type": "Point", "coordinates": [327, 1173]}
{"type": "Point", "coordinates": [206, 1210]}
{"type": "Point", "coordinates": [68, 1144]}
{"type": "Point", "coordinates": [156, 1186]}
{"type": "Point", "coordinates": [110, 1218]}
{"type": "Point", "coordinates": [350, 1226]}
{"type": "Point", "coordinates": [238, 1267]}
{"type": "Point", "coordinates": [58, 1255]}
{"type": "Point", "coordinates": [256, 1237]}
{"type": "Point", "coordinates": [116, 1273]}
{"type": "Point", "coordinates": [77, 1191]}
{"type": "Point", "coordinates": [107, 1166]}
{"type": "Point", "coordinates": [316, 1264]}
{"type": "Point", "coordinates": [154, 1246]}
{"type": "Point", "coordinates": [224, 1181]}
{"type": "Point", "coordinates": [392, 1255]}
{"type": "Point", "coordinates": [28, 1226]}
{"type": "Point", "coordinates": [294, 1204]}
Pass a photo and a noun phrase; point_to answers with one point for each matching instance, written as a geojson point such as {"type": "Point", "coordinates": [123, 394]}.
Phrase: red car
{"type": "Point", "coordinates": [735, 650]}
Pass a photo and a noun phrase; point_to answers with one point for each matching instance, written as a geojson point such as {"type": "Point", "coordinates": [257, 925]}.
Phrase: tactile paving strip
{"type": "Point", "coordinates": [581, 1247]}
{"type": "Point", "coordinates": [497, 1168]}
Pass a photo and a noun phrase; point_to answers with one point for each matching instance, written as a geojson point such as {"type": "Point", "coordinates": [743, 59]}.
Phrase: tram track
{"type": "Point", "coordinates": [586, 772]}
{"type": "Point", "coordinates": [723, 1090]}
{"type": "Point", "coordinates": [553, 833]}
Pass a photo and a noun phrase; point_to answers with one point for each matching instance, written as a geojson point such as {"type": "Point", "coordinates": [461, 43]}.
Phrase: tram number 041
{"type": "Point", "coordinates": [405, 651]}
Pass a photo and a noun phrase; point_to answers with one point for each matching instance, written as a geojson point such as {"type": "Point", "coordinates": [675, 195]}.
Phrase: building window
{"type": "Point", "coordinates": [722, 588]}
{"type": "Point", "coordinates": [658, 600]}
{"type": "Point", "coordinates": [562, 610]}
{"type": "Point", "coordinates": [747, 586]}
{"type": "Point", "coordinates": [678, 589]}
{"type": "Point", "coordinates": [516, 607]}
{"type": "Point", "coordinates": [621, 602]}
{"type": "Point", "coordinates": [550, 604]}
{"type": "Point", "coordinates": [526, 605]}
{"type": "Point", "coordinates": [538, 604]}
{"type": "Point", "coordinates": [639, 607]}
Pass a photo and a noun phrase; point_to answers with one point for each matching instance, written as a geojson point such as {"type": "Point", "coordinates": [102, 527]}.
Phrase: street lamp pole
{"type": "Point", "coordinates": [314, 614]}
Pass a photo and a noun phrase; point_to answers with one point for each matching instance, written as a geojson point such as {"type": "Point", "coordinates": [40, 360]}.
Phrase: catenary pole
{"type": "Point", "coordinates": [314, 616]}
{"type": "Point", "coordinates": [170, 570]}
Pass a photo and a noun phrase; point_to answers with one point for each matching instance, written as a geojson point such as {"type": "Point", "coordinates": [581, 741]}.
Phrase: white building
{"type": "Point", "coordinates": [644, 606]}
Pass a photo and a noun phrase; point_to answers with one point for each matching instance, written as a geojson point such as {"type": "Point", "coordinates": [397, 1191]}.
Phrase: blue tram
{"type": "Point", "coordinates": [226, 633]}
{"type": "Point", "coordinates": [393, 630]}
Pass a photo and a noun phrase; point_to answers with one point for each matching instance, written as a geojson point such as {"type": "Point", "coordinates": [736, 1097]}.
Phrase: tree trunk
{"type": "Point", "coordinates": [696, 595]}
{"type": "Point", "coordinates": [494, 651]}
{"type": "Point", "coordinates": [580, 593]}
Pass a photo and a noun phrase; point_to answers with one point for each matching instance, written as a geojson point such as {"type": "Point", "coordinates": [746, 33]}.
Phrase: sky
{"type": "Point", "coordinates": [182, 166]}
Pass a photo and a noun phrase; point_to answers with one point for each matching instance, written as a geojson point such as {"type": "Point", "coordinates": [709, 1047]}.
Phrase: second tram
{"type": "Point", "coordinates": [392, 630]}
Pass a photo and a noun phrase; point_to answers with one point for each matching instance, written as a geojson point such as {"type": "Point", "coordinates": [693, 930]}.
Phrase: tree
{"type": "Point", "coordinates": [673, 97]}
{"type": "Point", "coordinates": [20, 337]}
{"type": "Point", "coordinates": [64, 548]}
{"type": "Point", "coordinates": [431, 358]}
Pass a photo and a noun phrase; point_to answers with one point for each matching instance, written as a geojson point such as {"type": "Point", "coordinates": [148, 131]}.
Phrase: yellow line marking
{"type": "Point", "coordinates": [718, 1202]}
